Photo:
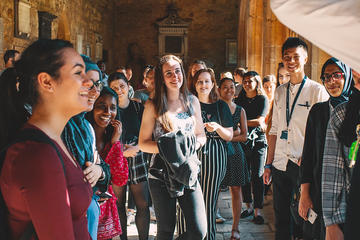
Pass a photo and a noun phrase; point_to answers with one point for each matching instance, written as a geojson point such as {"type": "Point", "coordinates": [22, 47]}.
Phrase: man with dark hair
{"type": "Point", "coordinates": [10, 57]}
{"type": "Point", "coordinates": [102, 66]}
{"type": "Point", "coordinates": [238, 77]}
{"type": "Point", "coordinates": [292, 103]}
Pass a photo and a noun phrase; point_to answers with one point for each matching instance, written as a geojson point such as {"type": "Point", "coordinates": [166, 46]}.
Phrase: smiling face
{"type": "Point", "coordinates": [72, 86]}
{"type": "Point", "coordinates": [334, 87]}
{"type": "Point", "coordinates": [249, 84]}
{"type": "Point", "coordinates": [121, 88]}
{"type": "Point", "coordinates": [227, 90]}
{"type": "Point", "coordinates": [172, 74]}
{"type": "Point", "coordinates": [104, 110]}
{"type": "Point", "coordinates": [204, 85]}
{"type": "Point", "coordinates": [94, 93]}
{"type": "Point", "coordinates": [294, 59]}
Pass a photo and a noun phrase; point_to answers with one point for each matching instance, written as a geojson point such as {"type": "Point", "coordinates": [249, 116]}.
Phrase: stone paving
{"type": "Point", "coordinates": [248, 230]}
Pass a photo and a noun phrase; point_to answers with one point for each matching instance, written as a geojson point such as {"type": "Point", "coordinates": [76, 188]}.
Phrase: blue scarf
{"type": "Point", "coordinates": [334, 101]}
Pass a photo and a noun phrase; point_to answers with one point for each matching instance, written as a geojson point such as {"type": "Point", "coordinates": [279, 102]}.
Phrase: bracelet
{"type": "Point", "coordinates": [268, 166]}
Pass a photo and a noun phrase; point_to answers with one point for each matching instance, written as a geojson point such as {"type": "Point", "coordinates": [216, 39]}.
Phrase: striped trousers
{"type": "Point", "coordinates": [213, 157]}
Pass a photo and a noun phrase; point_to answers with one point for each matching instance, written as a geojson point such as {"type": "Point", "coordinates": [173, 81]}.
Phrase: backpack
{"type": "Point", "coordinates": [28, 134]}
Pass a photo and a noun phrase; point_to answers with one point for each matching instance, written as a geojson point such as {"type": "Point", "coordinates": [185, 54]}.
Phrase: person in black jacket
{"type": "Point", "coordinates": [336, 77]}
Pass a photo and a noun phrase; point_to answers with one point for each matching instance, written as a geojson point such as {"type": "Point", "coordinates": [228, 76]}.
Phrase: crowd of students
{"type": "Point", "coordinates": [173, 145]}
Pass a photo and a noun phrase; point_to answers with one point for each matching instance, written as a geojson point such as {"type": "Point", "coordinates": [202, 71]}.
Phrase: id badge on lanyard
{"type": "Point", "coordinates": [289, 112]}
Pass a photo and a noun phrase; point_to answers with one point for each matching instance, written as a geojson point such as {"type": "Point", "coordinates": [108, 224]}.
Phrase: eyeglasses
{"type": "Point", "coordinates": [99, 85]}
{"type": "Point", "coordinates": [336, 76]}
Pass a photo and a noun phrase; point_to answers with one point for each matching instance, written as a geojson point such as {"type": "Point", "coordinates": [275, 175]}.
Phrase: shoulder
{"type": "Point", "coordinates": [338, 115]}
{"type": "Point", "coordinates": [262, 98]}
{"type": "Point", "coordinates": [315, 86]}
{"type": "Point", "coordinates": [32, 157]}
{"type": "Point", "coordinates": [221, 103]}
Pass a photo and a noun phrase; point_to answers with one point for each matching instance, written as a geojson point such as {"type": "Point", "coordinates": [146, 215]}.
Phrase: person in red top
{"type": "Point", "coordinates": [37, 190]}
{"type": "Point", "coordinates": [108, 131]}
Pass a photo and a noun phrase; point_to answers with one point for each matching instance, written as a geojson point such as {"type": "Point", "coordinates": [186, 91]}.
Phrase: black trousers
{"type": "Point", "coordinates": [285, 183]}
{"type": "Point", "coordinates": [255, 157]}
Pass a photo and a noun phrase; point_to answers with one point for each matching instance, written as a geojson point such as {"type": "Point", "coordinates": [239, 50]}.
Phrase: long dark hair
{"type": "Point", "coordinates": [19, 84]}
{"type": "Point", "coordinates": [106, 91]}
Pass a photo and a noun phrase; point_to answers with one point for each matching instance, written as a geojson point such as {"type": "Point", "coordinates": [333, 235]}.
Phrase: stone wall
{"type": "Point", "coordinates": [211, 23]}
{"type": "Point", "coordinates": [89, 19]}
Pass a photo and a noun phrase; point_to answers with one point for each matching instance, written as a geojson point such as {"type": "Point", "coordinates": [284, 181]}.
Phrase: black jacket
{"type": "Point", "coordinates": [177, 163]}
{"type": "Point", "coordinates": [311, 164]}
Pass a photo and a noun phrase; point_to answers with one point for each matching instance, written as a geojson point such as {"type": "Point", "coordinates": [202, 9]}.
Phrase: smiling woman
{"type": "Point", "coordinates": [39, 192]}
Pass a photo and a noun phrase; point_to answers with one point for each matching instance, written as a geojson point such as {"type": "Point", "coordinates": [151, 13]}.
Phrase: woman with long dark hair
{"type": "Point", "coordinates": [43, 186]}
{"type": "Point", "coordinates": [253, 99]}
{"type": "Point", "coordinates": [174, 111]}
{"type": "Point", "coordinates": [107, 127]}
{"type": "Point", "coordinates": [130, 112]}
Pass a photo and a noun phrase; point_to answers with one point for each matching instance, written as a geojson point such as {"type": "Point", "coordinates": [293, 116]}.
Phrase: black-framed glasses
{"type": "Point", "coordinates": [99, 85]}
{"type": "Point", "coordinates": [336, 76]}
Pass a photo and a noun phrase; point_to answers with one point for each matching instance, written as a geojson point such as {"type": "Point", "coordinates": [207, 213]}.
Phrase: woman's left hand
{"type": "Point", "coordinates": [117, 131]}
{"type": "Point", "coordinates": [211, 126]}
{"type": "Point", "coordinates": [92, 173]}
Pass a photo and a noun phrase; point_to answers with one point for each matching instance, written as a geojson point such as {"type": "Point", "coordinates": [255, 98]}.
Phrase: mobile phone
{"type": "Point", "coordinates": [312, 215]}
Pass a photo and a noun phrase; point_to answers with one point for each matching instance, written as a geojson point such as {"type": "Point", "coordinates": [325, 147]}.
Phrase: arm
{"type": "Point", "coordinates": [260, 121]}
{"type": "Point", "coordinates": [263, 106]}
{"type": "Point", "coordinates": [146, 143]}
{"type": "Point", "coordinates": [307, 164]}
{"type": "Point", "coordinates": [241, 136]}
{"type": "Point", "coordinates": [199, 125]}
{"type": "Point", "coordinates": [118, 165]}
{"type": "Point", "coordinates": [44, 190]}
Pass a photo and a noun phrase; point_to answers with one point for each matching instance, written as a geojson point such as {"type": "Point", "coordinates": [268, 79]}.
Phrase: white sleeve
{"type": "Point", "coordinates": [275, 117]}
{"type": "Point", "coordinates": [332, 25]}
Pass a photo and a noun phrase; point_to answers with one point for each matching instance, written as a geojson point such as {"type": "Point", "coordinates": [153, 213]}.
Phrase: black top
{"type": "Point", "coordinates": [254, 107]}
{"type": "Point", "coordinates": [213, 111]}
{"type": "Point", "coordinates": [131, 121]}
{"type": "Point", "coordinates": [312, 157]}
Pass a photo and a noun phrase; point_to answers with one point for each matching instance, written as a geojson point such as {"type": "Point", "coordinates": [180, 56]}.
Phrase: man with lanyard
{"type": "Point", "coordinates": [292, 103]}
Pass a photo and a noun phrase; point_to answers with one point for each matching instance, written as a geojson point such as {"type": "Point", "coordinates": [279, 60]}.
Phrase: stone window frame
{"type": "Point", "coordinates": [17, 32]}
{"type": "Point", "coordinates": [231, 52]}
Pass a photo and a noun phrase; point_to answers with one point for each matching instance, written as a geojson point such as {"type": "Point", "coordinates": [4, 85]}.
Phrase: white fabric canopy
{"type": "Point", "coordinates": [332, 25]}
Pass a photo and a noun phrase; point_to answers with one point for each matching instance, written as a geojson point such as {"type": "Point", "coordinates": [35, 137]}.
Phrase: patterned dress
{"type": "Point", "coordinates": [237, 173]}
{"type": "Point", "coordinates": [109, 222]}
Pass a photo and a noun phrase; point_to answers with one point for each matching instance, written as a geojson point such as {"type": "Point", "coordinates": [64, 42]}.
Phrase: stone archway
{"type": "Point", "coordinates": [63, 27]}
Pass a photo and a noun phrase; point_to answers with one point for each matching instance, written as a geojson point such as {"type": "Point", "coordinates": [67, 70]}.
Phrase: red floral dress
{"type": "Point", "coordinates": [109, 222]}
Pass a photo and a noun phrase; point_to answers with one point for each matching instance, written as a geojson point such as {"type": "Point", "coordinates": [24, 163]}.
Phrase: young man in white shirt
{"type": "Point", "coordinates": [292, 103]}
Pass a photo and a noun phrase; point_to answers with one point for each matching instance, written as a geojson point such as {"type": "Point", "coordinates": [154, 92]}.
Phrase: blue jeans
{"type": "Point", "coordinates": [191, 204]}
{"type": "Point", "coordinates": [93, 214]}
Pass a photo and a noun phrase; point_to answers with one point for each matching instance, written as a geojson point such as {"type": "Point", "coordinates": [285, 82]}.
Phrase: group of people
{"type": "Point", "coordinates": [173, 145]}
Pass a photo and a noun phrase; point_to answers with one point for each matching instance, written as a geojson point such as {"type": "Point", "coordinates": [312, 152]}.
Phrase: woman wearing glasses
{"type": "Point", "coordinates": [79, 138]}
{"type": "Point", "coordinates": [130, 112]}
{"type": "Point", "coordinates": [337, 78]}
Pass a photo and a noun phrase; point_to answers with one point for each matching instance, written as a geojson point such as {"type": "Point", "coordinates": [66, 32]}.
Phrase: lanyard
{"type": "Point", "coordinates": [288, 111]}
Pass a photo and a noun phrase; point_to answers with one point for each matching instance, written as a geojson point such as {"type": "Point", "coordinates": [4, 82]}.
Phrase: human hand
{"type": "Point", "coordinates": [304, 204]}
{"type": "Point", "coordinates": [130, 150]}
{"type": "Point", "coordinates": [267, 176]}
{"type": "Point", "coordinates": [211, 126]}
{"type": "Point", "coordinates": [333, 232]}
{"type": "Point", "coordinates": [117, 130]}
{"type": "Point", "coordinates": [92, 173]}
{"type": "Point", "coordinates": [299, 161]}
